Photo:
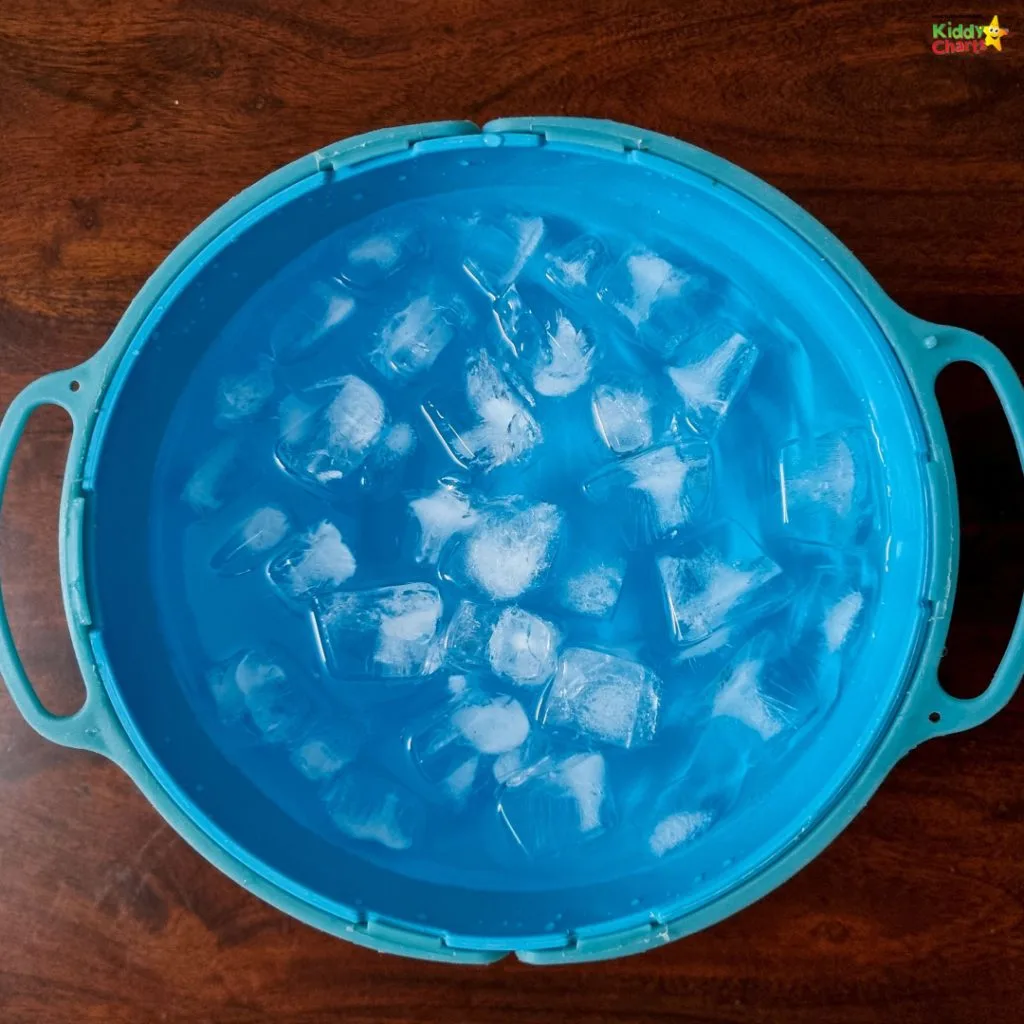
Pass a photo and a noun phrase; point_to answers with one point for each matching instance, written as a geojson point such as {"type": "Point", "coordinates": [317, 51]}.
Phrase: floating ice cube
{"type": "Point", "coordinates": [466, 638]}
{"type": "Point", "coordinates": [327, 444]}
{"type": "Point", "coordinates": [712, 372]}
{"type": "Point", "coordinates": [441, 514]}
{"type": "Point", "coordinates": [594, 589]}
{"type": "Point", "coordinates": [824, 486]}
{"type": "Point", "coordinates": [575, 268]}
{"type": "Point", "coordinates": [250, 542]}
{"type": "Point", "coordinates": [382, 473]}
{"type": "Point", "coordinates": [556, 352]}
{"type": "Point", "coordinates": [263, 692]}
{"type": "Point", "coordinates": [658, 300]}
{"type": "Point", "coordinates": [367, 805]}
{"type": "Point", "coordinates": [676, 829]}
{"type": "Point", "coordinates": [318, 561]}
{"type": "Point", "coordinates": [657, 491]}
{"type": "Point", "coordinates": [390, 632]}
{"type": "Point", "coordinates": [242, 396]}
{"type": "Point", "coordinates": [719, 578]}
{"type": "Point", "coordinates": [741, 698]}
{"type": "Point", "coordinates": [304, 325]}
{"type": "Point", "coordinates": [325, 750]}
{"type": "Point", "coordinates": [840, 618]}
{"type": "Point", "coordinates": [413, 338]}
{"type": "Point", "coordinates": [376, 255]}
{"type": "Point", "coordinates": [603, 698]}
{"type": "Point", "coordinates": [622, 416]}
{"type": "Point", "coordinates": [473, 728]}
{"type": "Point", "coordinates": [487, 422]}
{"type": "Point", "coordinates": [208, 486]}
{"type": "Point", "coordinates": [497, 251]}
{"type": "Point", "coordinates": [556, 804]}
{"type": "Point", "coordinates": [509, 551]}
{"type": "Point", "coordinates": [523, 647]}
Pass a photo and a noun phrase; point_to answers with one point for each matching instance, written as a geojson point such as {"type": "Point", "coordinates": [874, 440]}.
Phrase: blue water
{"type": "Point", "coordinates": [507, 547]}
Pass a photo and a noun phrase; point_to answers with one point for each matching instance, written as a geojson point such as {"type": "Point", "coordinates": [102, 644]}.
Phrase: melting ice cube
{"type": "Point", "coordinates": [471, 729]}
{"type": "Point", "coordinates": [242, 396]}
{"type": "Point", "coordinates": [523, 647]}
{"type": "Point", "coordinates": [208, 486]}
{"type": "Point", "coordinates": [250, 542]}
{"type": "Point", "coordinates": [824, 486]}
{"type": "Point", "coordinates": [840, 619]}
{"type": "Point", "coordinates": [380, 252]}
{"type": "Point", "coordinates": [487, 422]}
{"type": "Point", "coordinates": [622, 416]}
{"type": "Point", "coordinates": [509, 551]}
{"type": "Point", "coordinates": [262, 691]}
{"type": "Point", "coordinates": [390, 632]}
{"type": "Point", "coordinates": [576, 267]}
{"type": "Point", "coordinates": [676, 829]}
{"type": "Point", "coordinates": [320, 308]}
{"type": "Point", "coordinates": [497, 251]}
{"type": "Point", "coordinates": [603, 698]}
{"type": "Point", "coordinates": [413, 338]}
{"type": "Point", "coordinates": [593, 589]}
{"type": "Point", "coordinates": [441, 514]}
{"type": "Point", "coordinates": [710, 376]}
{"type": "Point", "coordinates": [556, 351]}
{"type": "Point", "coordinates": [367, 805]}
{"type": "Point", "coordinates": [720, 578]}
{"type": "Point", "coordinates": [318, 561]}
{"type": "Point", "coordinates": [327, 444]}
{"type": "Point", "coordinates": [557, 803]}
{"type": "Point", "coordinates": [325, 749]}
{"type": "Point", "coordinates": [659, 490]}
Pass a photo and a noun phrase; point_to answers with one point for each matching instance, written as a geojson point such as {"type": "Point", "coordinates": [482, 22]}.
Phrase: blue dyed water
{"type": "Point", "coordinates": [515, 546]}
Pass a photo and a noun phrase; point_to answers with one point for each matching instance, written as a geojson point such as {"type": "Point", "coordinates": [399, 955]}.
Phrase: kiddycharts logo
{"type": "Point", "coordinates": [958, 37]}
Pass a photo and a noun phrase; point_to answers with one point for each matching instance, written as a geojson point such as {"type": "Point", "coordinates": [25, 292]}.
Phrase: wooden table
{"type": "Point", "coordinates": [123, 124]}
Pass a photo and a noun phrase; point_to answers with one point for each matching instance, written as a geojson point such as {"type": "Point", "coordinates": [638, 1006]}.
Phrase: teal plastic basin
{"type": "Point", "coordinates": [123, 400]}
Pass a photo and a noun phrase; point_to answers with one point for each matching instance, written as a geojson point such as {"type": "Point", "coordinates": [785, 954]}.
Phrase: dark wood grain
{"type": "Point", "coordinates": [122, 124]}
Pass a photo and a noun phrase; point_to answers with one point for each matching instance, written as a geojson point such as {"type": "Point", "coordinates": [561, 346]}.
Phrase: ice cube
{"type": "Point", "coordinates": [557, 352]}
{"type": "Point", "coordinates": [657, 491]}
{"type": "Point", "coordinates": [622, 415]}
{"type": "Point", "coordinates": [473, 728]}
{"type": "Point", "coordinates": [575, 268]}
{"type": "Point", "coordinates": [378, 253]}
{"type": "Point", "coordinates": [382, 473]}
{"type": "Point", "coordinates": [332, 441]}
{"type": "Point", "coordinates": [594, 589]}
{"type": "Point", "coordinates": [325, 750]}
{"type": "Point", "coordinates": [441, 514]}
{"type": "Point", "coordinates": [509, 551]}
{"type": "Point", "coordinates": [658, 300]}
{"type": "Point", "coordinates": [304, 325]}
{"type": "Point", "coordinates": [719, 578]}
{"type": "Point", "coordinates": [523, 647]}
{"type": "Point", "coordinates": [318, 561]}
{"type": "Point", "coordinates": [466, 638]}
{"type": "Point", "coordinates": [676, 829]}
{"type": "Point", "coordinates": [487, 422]}
{"type": "Point", "coordinates": [840, 618]}
{"type": "Point", "coordinates": [498, 250]}
{"type": "Point", "coordinates": [242, 396]}
{"type": "Point", "coordinates": [262, 691]}
{"type": "Point", "coordinates": [712, 373]}
{"type": "Point", "coordinates": [557, 803]}
{"type": "Point", "coordinates": [823, 485]}
{"type": "Point", "coordinates": [741, 698]}
{"type": "Point", "coordinates": [604, 698]}
{"type": "Point", "coordinates": [389, 632]}
{"type": "Point", "coordinates": [208, 486]}
{"type": "Point", "coordinates": [413, 338]}
{"type": "Point", "coordinates": [369, 806]}
{"type": "Point", "coordinates": [250, 542]}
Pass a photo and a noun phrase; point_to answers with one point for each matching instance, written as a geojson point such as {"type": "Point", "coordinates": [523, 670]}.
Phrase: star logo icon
{"type": "Point", "coordinates": [994, 34]}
